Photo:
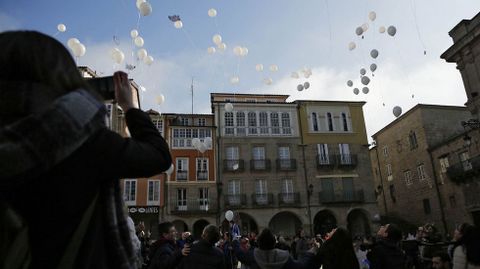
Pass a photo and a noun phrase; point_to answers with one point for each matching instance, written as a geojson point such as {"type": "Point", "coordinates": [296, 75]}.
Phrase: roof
{"type": "Point", "coordinates": [331, 102]}
{"type": "Point", "coordinates": [249, 94]}
{"type": "Point", "coordinates": [463, 34]}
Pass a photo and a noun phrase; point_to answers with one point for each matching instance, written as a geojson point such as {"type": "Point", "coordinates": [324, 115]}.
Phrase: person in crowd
{"type": "Point", "coordinates": [244, 244]}
{"type": "Point", "coordinates": [266, 256]}
{"type": "Point", "coordinates": [204, 254]}
{"type": "Point", "coordinates": [457, 236]}
{"type": "Point", "coordinates": [293, 247]}
{"type": "Point", "coordinates": [337, 252]}
{"type": "Point", "coordinates": [282, 244]}
{"type": "Point", "coordinates": [302, 245]}
{"type": "Point", "coordinates": [164, 252]}
{"type": "Point", "coordinates": [253, 239]}
{"type": "Point", "coordinates": [466, 254]}
{"type": "Point", "coordinates": [441, 260]}
{"type": "Point", "coordinates": [387, 253]}
{"type": "Point", "coordinates": [58, 154]}
{"type": "Point", "coordinates": [230, 259]}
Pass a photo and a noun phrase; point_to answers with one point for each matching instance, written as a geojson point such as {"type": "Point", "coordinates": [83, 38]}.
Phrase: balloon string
{"type": "Point", "coordinates": [412, 6]}
{"type": "Point", "coordinates": [189, 39]}
{"type": "Point", "coordinates": [138, 21]}
{"type": "Point", "coordinates": [405, 74]}
{"type": "Point", "coordinates": [58, 32]}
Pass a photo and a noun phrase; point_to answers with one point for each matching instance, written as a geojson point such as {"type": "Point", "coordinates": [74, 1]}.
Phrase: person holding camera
{"type": "Point", "coordinates": [60, 164]}
{"type": "Point", "coordinates": [165, 254]}
{"type": "Point", "coordinates": [204, 254]}
{"type": "Point", "coordinates": [387, 254]}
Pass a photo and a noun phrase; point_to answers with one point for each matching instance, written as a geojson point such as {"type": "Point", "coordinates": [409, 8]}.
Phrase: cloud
{"type": "Point", "coordinates": [8, 23]}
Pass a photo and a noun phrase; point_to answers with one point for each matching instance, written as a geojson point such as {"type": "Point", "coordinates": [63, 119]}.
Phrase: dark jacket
{"type": "Point", "coordinates": [203, 256]}
{"type": "Point", "coordinates": [53, 203]}
{"type": "Point", "coordinates": [164, 255]}
{"type": "Point", "coordinates": [302, 247]}
{"type": "Point", "coordinates": [386, 255]}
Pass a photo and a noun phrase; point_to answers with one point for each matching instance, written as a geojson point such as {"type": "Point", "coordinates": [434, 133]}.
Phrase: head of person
{"type": "Point", "coordinates": [167, 230]}
{"type": "Point", "coordinates": [381, 231]}
{"type": "Point", "coordinates": [441, 260]}
{"type": "Point", "coordinates": [393, 233]}
{"type": "Point", "coordinates": [337, 251]}
{"type": "Point", "coordinates": [211, 234]}
{"type": "Point", "coordinates": [300, 233]}
{"type": "Point", "coordinates": [266, 240]}
{"type": "Point", "coordinates": [459, 231]}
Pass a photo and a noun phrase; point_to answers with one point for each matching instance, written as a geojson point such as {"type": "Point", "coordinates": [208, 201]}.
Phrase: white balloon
{"type": "Point", "coordinates": [160, 99]}
{"type": "Point", "coordinates": [299, 87]}
{"type": "Point", "coordinates": [139, 2]}
{"type": "Point", "coordinates": [170, 170]}
{"type": "Point", "coordinates": [113, 52]}
{"type": "Point", "coordinates": [222, 46]}
{"type": "Point", "coordinates": [145, 8]}
{"type": "Point", "coordinates": [72, 41]}
{"type": "Point", "coordinates": [148, 60]}
{"type": "Point", "coordinates": [273, 68]}
{"type": "Point", "coordinates": [244, 51]}
{"type": "Point", "coordinates": [228, 107]}
{"type": "Point", "coordinates": [142, 53]}
{"type": "Point", "coordinates": [211, 50]}
{"type": "Point", "coordinates": [138, 41]}
{"type": "Point", "coordinates": [356, 91]}
{"type": "Point", "coordinates": [268, 81]}
{"type": "Point", "coordinates": [363, 71]}
{"type": "Point", "coordinates": [352, 45]}
{"type": "Point", "coordinates": [365, 90]}
{"type": "Point", "coordinates": [295, 75]}
{"type": "Point", "coordinates": [359, 31]}
{"type": "Point", "coordinates": [365, 80]}
{"type": "Point", "coordinates": [229, 215]}
{"type": "Point", "coordinates": [237, 51]}
{"type": "Point", "coordinates": [372, 15]}
{"type": "Point", "coordinates": [61, 27]}
{"type": "Point", "coordinates": [212, 12]}
{"type": "Point", "coordinates": [234, 80]}
{"type": "Point", "coordinates": [208, 142]}
{"type": "Point", "coordinates": [349, 83]}
{"type": "Point", "coordinates": [259, 67]}
{"type": "Point", "coordinates": [217, 39]}
{"type": "Point", "coordinates": [202, 147]}
{"type": "Point", "coordinates": [143, 89]}
{"type": "Point", "coordinates": [306, 85]}
{"type": "Point", "coordinates": [195, 142]}
{"type": "Point", "coordinates": [374, 53]}
{"type": "Point", "coordinates": [391, 30]}
{"type": "Point", "coordinates": [365, 27]}
{"type": "Point", "coordinates": [381, 30]}
{"type": "Point", "coordinates": [178, 24]}
{"type": "Point", "coordinates": [397, 111]}
{"type": "Point", "coordinates": [79, 50]}
{"type": "Point", "coordinates": [373, 67]}
{"type": "Point", "coordinates": [118, 56]}
{"type": "Point", "coordinates": [133, 33]}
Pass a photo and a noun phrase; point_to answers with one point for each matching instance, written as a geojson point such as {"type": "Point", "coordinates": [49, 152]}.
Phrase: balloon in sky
{"type": "Point", "coordinates": [138, 41]}
{"type": "Point", "coordinates": [306, 85]}
{"type": "Point", "coordinates": [234, 80]}
{"type": "Point", "coordinates": [373, 67]}
{"type": "Point", "coordinates": [352, 45]}
{"type": "Point", "coordinates": [268, 81]}
{"type": "Point", "coordinates": [134, 33]}
{"type": "Point", "coordinates": [160, 99]}
{"type": "Point", "coordinates": [365, 90]}
{"type": "Point", "coordinates": [363, 71]}
{"type": "Point", "coordinates": [228, 107]}
{"type": "Point", "coordinates": [397, 111]}
{"type": "Point", "coordinates": [349, 83]}
{"type": "Point", "coordinates": [145, 9]}
{"type": "Point", "coordinates": [294, 75]}
{"type": "Point", "coordinates": [259, 67]}
{"type": "Point", "coordinates": [244, 51]}
{"type": "Point", "coordinates": [143, 89]}
{"type": "Point", "coordinates": [391, 30]}
{"type": "Point", "coordinates": [211, 50]}
{"type": "Point", "coordinates": [359, 31]}
{"type": "Point", "coordinates": [117, 55]}
{"type": "Point", "coordinates": [72, 41]}
{"type": "Point", "coordinates": [273, 68]}
{"type": "Point", "coordinates": [178, 24]}
{"type": "Point", "coordinates": [374, 53]}
{"type": "Point", "coordinates": [356, 91]}
{"type": "Point", "coordinates": [381, 30]}
{"type": "Point", "coordinates": [148, 60]}
{"type": "Point", "coordinates": [139, 2]}
{"type": "Point", "coordinates": [365, 27]}
{"type": "Point", "coordinates": [212, 13]}
{"type": "Point", "coordinates": [299, 87]}
{"type": "Point", "coordinates": [61, 27]}
{"type": "Point", "coordinates": [217, 39]}
{"type": "Point", "coordinates": [372, 15]}
{"type": "Point", "coordinates": [237, 51]}
{"type": "Point", "coordinates": [222, 46]}
{"type": "Point", "coordinates": [78, 49]}
{"type": "Point", "coordinates": [142, 53]}
{"type": "Point", "coordinates": [365, 80]}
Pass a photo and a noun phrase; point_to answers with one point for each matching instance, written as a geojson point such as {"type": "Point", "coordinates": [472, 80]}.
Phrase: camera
{"type": "Point", "coordinates": [104, 86]}
{"type": "Point", "coordinates": [189, 240]}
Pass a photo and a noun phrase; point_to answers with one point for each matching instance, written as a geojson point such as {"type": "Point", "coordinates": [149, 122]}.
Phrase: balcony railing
{"type": "Point", "coordinates": [464, 171]}
{"type": "Point", "coordinates": [258, 131]}
{"type": "Point", "coordinates": [193, 206]}
{"type": "Point", "coordinates": [182, 175]}
{"type": "Point", "coordinates": [344, 197]}
{"type": "Point", "coordinates": [235, 200]}
{"type": "Point", "coordinates": [262, 199]}
{"type": "Point", "coordinates": [202, 175]}
{"type": "Point", "coordinates": [233, 165]}
{"type": "Point", "coordinates": [286, 164]}
{"type": "Point", "coordinates": [260, 165]}
{"type": "Point", "coordinates": [346, 160]}
{"type": "Point", "coordinates": [289, 199]}
{"type": "Point", "coordinates": [325, 162]}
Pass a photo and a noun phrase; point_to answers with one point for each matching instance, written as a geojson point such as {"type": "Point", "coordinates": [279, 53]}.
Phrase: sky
{"type": "Point", "coordinates": [293, 35]}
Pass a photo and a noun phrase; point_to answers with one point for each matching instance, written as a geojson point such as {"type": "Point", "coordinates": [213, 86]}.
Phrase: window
{"type": "Point", "coordinates": [345, 157]}
{"type": "Point", "coordinates": [252, 123]}
{"type": "Point", "coordinates": [261, 192]}
{"type": "Point", "coordinates": [389, 172]}
{"type": "Point", "coordinates": [184, 121]}
{"type": "Point", "coordinates": [465, 160]}
{"type": "Point", "coordinates": [284, 157]}
{"type": "Point", "coordinates": [202, 122]}
{"type": "Point", "coordinates": [412, 137]}
{"type": "Point", "coordinates": [259, 158]}
{"type": "Point", "coordinates": [408, 177]}
{"type": "Point", "coordinates": [286, 123]}
{"type": "Point", "coordinates": [453, 201]}
{"type": "Point", "coordinates": [345, 122]}
{"type": "Point", "coordinates": [229, 123]}
{"type": "Point", "coordinates": [182, 199]}
{"type": "Point", "coordinates": [251, 100]}
{"type": "Point", "coordinates": [153, 190]}
{"type": "Point", "coordinates": [241, 123]}
{"type": "Point", "coordinates": [182, 168]}
{"type": "Point", "coordinates": [203, 198]}
{"type": "Point", "coordinates": [202, 168]}
{"type": "Point", "coordinates": [159, 125]}
{"type": "Point", "coordinates": [130, 190]}
{"type": "Point", "coordinates": [323, 154]}
{"type": "Point", "coordinates": [263, 122]}
{"type": "Point", "coordinates": [385, 151]}
{"type": "Point", "coordinates": [329, 122]}
{"type": "Point", "coordinates": [426, 207]}
{"type": "Point", "coordinates": [314, 121]}
{"type": "Point", "coordinates": [232, 156]}
{"type": "Point", "coordinates": [182, 137]}
{"type": "Point", "coordinates": [234, 197]}
{"type": "Point", "coordinates": [275, 123]}
{"type": "Point", "coordinates": [287, 191]}
{"type": "Point", "coordinates": [392, 193]}
{"type": "Point", "coordinates": [421, 172]}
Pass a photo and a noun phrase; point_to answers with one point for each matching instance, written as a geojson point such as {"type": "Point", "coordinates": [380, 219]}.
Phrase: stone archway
{"type": "Point", "coordinates": [198, 228]}
{"type": "Point", "coordinates": [180, 226]}
{"type": "Point", "coordinates": [324, 222]}
{"type": "Point", "coordinates": [358, 223]}
{"type": "Point", "coordinates": [247, 224]}
{"type": "Point", "coordinates": [285, 223]}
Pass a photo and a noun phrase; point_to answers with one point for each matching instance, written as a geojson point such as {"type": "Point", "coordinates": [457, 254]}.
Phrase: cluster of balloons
{"type": "Point", "coordinates": [61, 27]}
{"type": "Point", "coordinates": [202, 146]}
{"type": "Point", "coordinates": [77, 47]}
{"type": "Point", "coordinates": [240, 51]}
{"type": "Point", "coordinates": [272, 68]}
{"type": "Point", "coordinates": [304, 86]}
{"type": "Point", "coordinates": [142, 53]}
{"type": "Point", "coordinates": [217, 40]}
{"type": "Point", "coordinates": [144, 7]}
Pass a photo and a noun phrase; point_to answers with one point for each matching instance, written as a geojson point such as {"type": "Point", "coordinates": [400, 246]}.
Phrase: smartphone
{"type": "Point", "coordinates": [104, 86]}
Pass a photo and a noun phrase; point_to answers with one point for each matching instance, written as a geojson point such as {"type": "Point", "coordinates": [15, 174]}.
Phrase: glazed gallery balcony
{"type": "Point", "coordinates": [329, 197]}
{"type": "Point", "coordinates": [193, 206]}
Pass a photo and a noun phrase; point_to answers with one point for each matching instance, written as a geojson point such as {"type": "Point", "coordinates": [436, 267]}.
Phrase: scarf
{"type": "Point", "coordinates": [35, 136]}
